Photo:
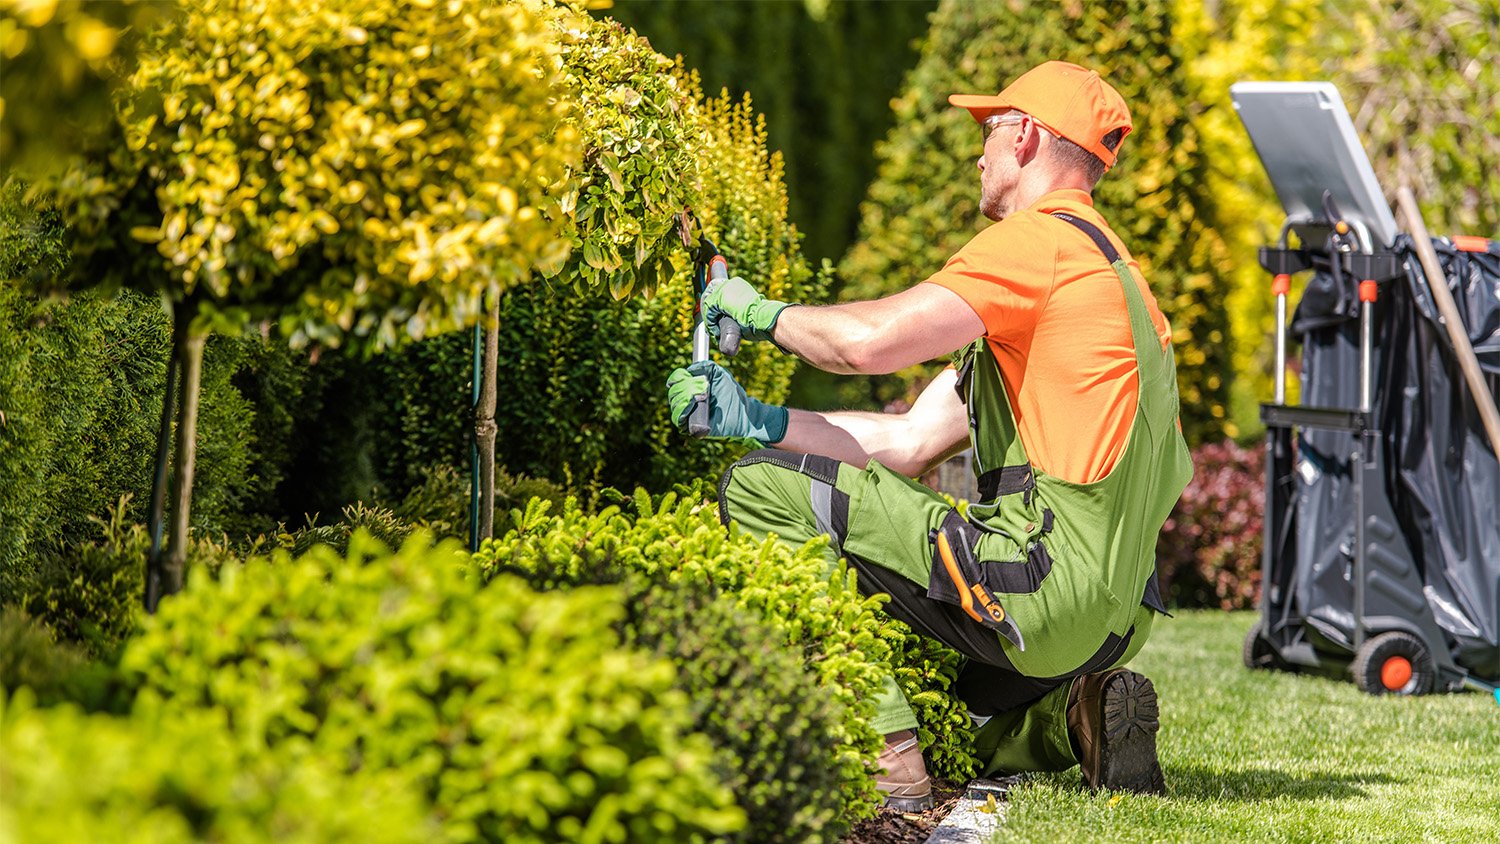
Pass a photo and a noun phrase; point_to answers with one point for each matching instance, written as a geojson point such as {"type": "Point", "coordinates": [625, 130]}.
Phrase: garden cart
{"type": "Point", "coordinates": [1381, 553]}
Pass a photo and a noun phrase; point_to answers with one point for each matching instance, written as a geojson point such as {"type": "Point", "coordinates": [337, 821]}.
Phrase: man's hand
{"type": "Point", "coordinates": [731, 413]}
{"type": "Point", "coordinates": [755, 313]}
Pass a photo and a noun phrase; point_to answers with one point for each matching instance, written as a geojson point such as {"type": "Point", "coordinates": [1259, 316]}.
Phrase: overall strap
{"type": "Point", "coordinates": [1143, 332]}
{"type": "Point", "coordinates": [1110, 253]}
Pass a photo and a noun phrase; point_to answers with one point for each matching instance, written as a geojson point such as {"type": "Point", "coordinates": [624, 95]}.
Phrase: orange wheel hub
{"type": "Point", "coordinates": [1395, 673]}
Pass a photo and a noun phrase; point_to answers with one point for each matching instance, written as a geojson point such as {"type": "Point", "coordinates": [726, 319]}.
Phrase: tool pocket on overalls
{"type": "Point", "coordinates": [960, 578]}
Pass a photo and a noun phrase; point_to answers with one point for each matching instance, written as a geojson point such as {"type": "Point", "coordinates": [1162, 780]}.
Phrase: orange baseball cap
{"type": "Point", "coordinates": [1072, 101]}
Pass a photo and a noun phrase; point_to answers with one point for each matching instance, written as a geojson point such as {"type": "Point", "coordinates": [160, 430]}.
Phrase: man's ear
{"type": "Point", "coordinates": [1028, 141]}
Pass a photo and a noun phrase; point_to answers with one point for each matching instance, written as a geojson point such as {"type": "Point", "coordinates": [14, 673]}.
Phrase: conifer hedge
{"type": "Point", "coordinates": [80, 395]}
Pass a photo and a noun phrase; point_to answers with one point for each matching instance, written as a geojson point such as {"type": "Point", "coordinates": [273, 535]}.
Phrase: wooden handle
{"type": "Point", "coordinates": [1438, 284]}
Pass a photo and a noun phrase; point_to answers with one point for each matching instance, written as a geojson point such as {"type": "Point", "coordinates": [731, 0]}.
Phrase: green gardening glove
{"type": "Point", "coordinates": [735, 297]}
{"type": "Point", "coordinates": [731, 413]}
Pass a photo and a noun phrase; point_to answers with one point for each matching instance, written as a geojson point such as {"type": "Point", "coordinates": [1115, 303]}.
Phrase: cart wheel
{"type": "Point", "coordinates": [1393, 664]}
{"type": "Point", "coordinates": [1258, 652]}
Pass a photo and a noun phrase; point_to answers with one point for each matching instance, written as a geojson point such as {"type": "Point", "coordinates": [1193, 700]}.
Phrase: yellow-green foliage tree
{"type": "Point", "coordinates": [924, 203]}
{"type": "Point", "coordinates": [62, 60]}
{"type": "Point", "coordinates": [618, 203]}
{"type": "Point", "coordinates": [360, 171]}
{"type": "Point", "coordinates": [596, 366]}
{"type": "Point", "coordinates": [1422, 80]}
{"type": "Point", "coordinates": [1224, 44]}
{"type": "Point", "coordinates": [640, 163]}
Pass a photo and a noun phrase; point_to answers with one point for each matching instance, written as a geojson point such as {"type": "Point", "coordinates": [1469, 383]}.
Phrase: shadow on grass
{"type": "Point", "coordinates": [1249, 785]}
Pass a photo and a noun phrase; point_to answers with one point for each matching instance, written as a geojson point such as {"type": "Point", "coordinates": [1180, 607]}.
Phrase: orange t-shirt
{"type": "Point", "coordinates": [1055, 317]}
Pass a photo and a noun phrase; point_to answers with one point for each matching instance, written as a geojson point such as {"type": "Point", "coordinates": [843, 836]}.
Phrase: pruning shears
{"type": "Point", "coordinates": [708, 266]}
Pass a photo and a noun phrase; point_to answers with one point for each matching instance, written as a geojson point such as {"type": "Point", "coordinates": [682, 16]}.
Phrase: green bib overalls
{"type": "Point", "coordinates": [1040, 581]}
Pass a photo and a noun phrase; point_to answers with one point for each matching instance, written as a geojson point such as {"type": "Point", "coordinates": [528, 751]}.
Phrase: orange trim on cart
{"type": "Point", "coordinates": [1395, 672]}
{"type": "Point", "coordinates": [1367, 291]}
{"type": "Point", "coordinates": [1471, 243]}
{"type": "Point", "coordinates": [1281, 284]}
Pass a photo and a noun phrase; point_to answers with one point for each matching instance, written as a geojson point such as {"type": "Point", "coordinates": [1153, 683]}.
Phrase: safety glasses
{"type": "Point", "coordinates": [994, 122]}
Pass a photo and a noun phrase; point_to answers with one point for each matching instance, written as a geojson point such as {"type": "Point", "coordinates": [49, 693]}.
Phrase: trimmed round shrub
{"type": "Point", "coordinates": [809, 604]}
{"type": "Point", "coordinates": [74, 777]}
{"type": "Point", "coordinates": [518, 715]}
{"type": "Point", "coordinates": [775, 729]}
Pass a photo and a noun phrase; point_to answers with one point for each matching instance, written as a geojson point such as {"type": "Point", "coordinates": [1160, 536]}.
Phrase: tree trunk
{"type": "Point", "coordinates": [155, 518]}
{"type": "Point", "coordinates": [191, 356]}
{"type": "Point", "coordinates": [476, 377]}
{"type": "Point", "coordinates": [484, 420]}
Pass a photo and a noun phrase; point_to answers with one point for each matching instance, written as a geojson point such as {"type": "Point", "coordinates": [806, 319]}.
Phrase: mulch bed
{"type": "Point", "coordinates": [896, 827]}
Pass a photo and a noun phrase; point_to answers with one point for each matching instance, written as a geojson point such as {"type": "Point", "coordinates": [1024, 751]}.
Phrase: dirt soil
{"type": "Point", "coordinates": [896, 827]}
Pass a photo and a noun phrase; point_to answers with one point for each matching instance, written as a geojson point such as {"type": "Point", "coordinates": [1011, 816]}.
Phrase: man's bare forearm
{"type": "Point", "coordinates": [935, 428]}
{"type": "Point", "coordinates": [922, 323]}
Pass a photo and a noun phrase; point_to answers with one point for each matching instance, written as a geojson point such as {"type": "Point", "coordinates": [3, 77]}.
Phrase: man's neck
{"type": "Point", "coordinates": [1036, 185]}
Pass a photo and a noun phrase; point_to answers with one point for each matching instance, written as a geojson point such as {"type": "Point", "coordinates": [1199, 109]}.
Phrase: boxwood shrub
{"type": "Point", "coordinates": [837, 631]}
{"type": "Point", "coordinates": [774, 727]}
{"type": "Point", "coordinates": [518, 715]}
{"type": "Point", "coordinates": [69, 776]}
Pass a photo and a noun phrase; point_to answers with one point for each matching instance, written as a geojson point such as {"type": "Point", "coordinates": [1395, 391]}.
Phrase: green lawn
{"type": "Point", "coordinates": [1270, 756]}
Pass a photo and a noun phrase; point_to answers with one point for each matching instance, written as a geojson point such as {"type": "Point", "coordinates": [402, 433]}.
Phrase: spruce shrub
{"type": "Point", "coordinates": [518, 715]}
{"type": "Point", "coordinates": [380, 523]}
{"type": "Point", "coordinates": [138, 780]}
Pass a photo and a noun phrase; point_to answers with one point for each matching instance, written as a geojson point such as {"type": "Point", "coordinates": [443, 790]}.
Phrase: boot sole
{"type": "Point", "coordinates": [1128, 745]}
{"type": "Point", "coordinates": [909, 804]}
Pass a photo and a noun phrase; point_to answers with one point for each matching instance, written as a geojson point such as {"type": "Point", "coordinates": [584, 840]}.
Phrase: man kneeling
{"type": "Point", "coordinates": [1064, 388]}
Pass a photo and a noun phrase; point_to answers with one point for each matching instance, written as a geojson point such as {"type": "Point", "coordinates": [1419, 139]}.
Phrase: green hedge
{"type": "Point", "coordinates": [850, 643]}
{"type": "Point", "coordinates": [81, 383]}
{"type": "Point", "coordinates": [924, 203]}
{"type": "Point", "coordinates": [778, 730]}
{"type": "Point", "coordinates": [142, 780]}
{"type": "Point", "coordinates": [775, 729]}
{"type": "Point", "coordinates": [519, 716]}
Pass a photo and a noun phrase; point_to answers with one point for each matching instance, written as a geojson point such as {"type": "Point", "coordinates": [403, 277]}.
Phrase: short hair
{"type": "Point", "coordinates": [1067, 154]}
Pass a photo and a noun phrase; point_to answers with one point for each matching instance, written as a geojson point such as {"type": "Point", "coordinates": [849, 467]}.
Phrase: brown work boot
{"type": "Point", "coordinates": [1112, 718]}
{"type": "Point", "coordinates": [903, 775]}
